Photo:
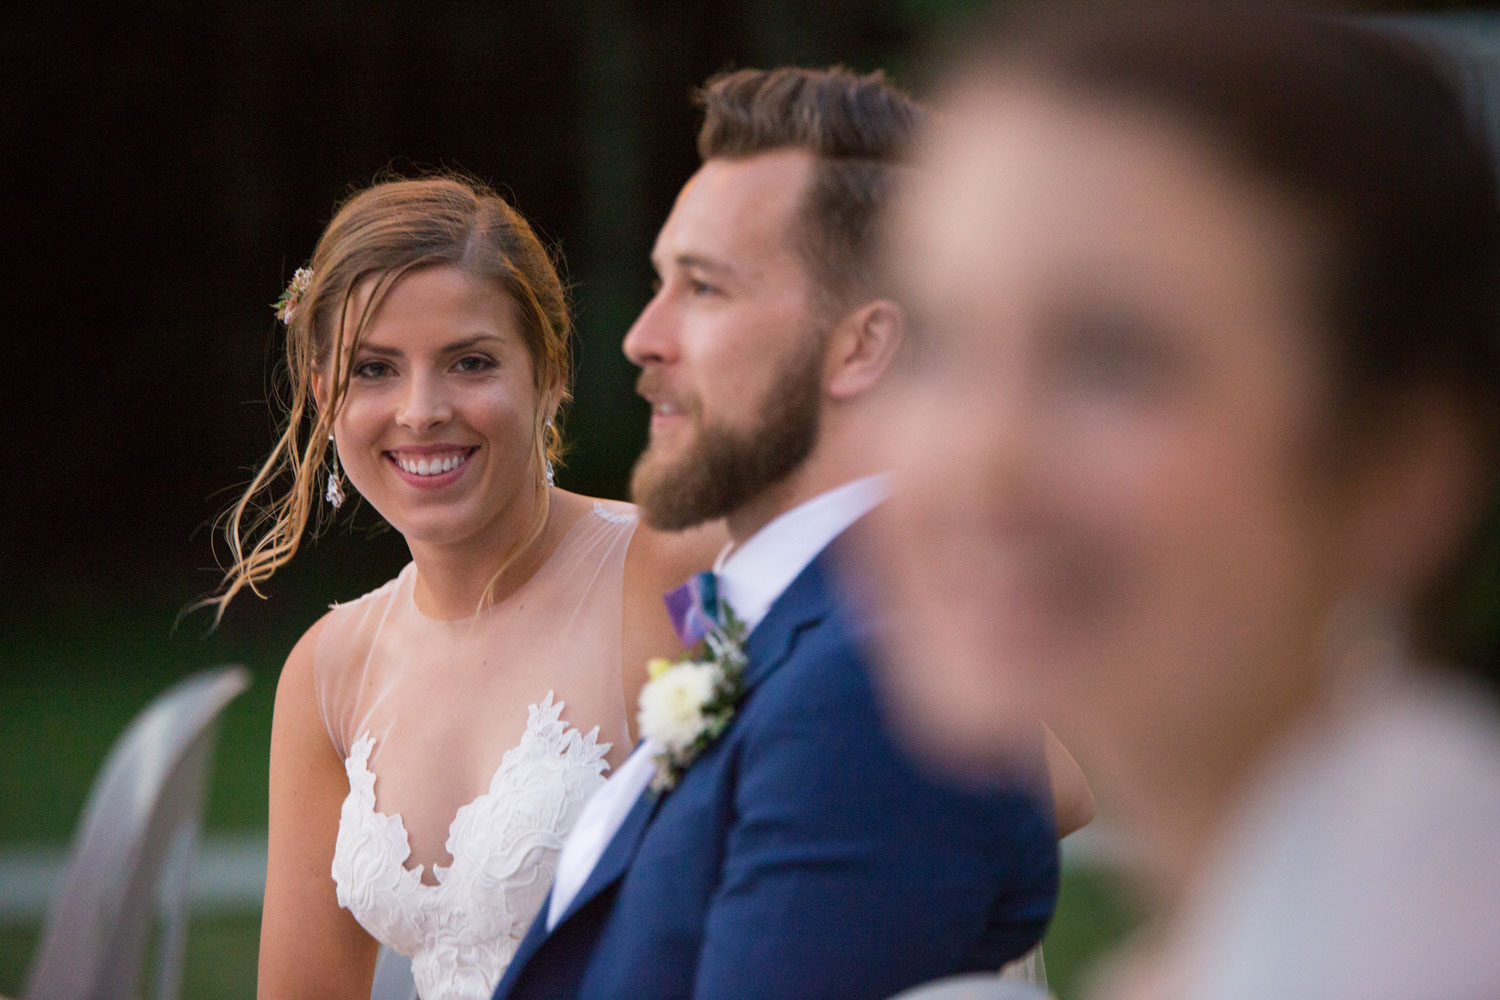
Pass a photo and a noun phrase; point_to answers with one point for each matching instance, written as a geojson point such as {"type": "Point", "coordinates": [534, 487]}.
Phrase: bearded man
{"type": "Point", "coordinates": [768, 838]}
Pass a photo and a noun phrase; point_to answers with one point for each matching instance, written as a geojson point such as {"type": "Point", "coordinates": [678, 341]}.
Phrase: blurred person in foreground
{"type": "Point", "coordinates": [1195, 446]}
{"type": "Point", "coordinates": [767, 839]}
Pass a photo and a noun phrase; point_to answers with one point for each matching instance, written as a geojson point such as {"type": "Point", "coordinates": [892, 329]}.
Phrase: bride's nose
{"type": "Point", "coordinates": [423, 404]}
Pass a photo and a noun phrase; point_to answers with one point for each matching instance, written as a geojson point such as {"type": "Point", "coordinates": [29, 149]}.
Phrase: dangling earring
{"type": "Point", "coordinates": [334, 493]}
{"type": "Point", "coordinates": [551, 473]}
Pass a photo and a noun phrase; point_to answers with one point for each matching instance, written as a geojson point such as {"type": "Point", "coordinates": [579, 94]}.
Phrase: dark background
{"type": "Point", "coordinates": [167, 166]}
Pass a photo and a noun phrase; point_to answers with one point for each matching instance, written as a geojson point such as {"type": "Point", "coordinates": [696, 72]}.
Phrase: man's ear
{"type": "Point", "coordinates": [862, 347]}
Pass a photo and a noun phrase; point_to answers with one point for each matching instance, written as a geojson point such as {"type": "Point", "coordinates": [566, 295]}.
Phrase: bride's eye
{"type": "Point", "coordinates": [371, 370]}
{"type": "Point", "coordinates": [470, 364]}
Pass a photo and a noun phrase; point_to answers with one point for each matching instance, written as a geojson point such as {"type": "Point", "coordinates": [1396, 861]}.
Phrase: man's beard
{"type": "Point", "coordinates": [722, 469]}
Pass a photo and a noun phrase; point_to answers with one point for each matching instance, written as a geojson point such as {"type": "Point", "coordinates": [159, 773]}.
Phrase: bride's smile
{"type": "Point", "coordinates": [438, 423]}
{"type": "Point", "coordinates": [432, 466]}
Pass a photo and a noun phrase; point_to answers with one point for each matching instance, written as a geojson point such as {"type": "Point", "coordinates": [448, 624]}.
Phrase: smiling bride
{"type": "Point", "coordinates": [433, 741]}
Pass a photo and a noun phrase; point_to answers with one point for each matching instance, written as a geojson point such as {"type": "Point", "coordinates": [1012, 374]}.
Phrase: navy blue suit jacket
{"type": "Point", "coordinates": [803, 855]}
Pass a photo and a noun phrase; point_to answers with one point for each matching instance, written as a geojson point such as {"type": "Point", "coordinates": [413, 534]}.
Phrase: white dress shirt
{"type": "Point", "coordinates": [751, 578]}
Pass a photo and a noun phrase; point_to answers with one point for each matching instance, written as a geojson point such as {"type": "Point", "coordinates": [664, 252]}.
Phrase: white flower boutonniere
{"type": "Point", "coordinates": [687, 705]}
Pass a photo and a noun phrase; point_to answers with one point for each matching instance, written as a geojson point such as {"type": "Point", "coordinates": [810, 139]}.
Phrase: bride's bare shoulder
{"type": "Point", "coordinates": [342, 635]}
{"type": "Point", "coordinates": [302, 661]}
{"type": "Point", "coordinates": [296, 710]}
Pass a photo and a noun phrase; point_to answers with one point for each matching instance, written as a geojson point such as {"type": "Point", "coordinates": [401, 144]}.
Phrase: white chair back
{"type": "Point", "coordinates": [133, 855]}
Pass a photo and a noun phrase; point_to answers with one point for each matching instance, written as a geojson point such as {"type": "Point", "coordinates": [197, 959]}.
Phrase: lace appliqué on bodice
{"type": "Point", "coordinates": [461, 933]}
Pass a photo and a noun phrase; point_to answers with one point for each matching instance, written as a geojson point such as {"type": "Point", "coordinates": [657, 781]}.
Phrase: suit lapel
{"type": "Point", "coordinates": [802, 605]}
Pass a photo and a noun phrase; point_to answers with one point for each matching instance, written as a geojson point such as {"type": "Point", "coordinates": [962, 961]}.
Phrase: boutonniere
{"type": "Point", "coordinates": [687, 705]}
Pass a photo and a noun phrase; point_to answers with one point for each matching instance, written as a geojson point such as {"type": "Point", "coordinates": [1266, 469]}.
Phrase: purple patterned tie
{"type": "Point", "coordinates": [694, 608]}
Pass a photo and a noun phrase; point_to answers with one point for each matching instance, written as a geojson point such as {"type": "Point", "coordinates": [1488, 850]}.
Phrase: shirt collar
{"type": "Point", "coordinates": [754, 575]}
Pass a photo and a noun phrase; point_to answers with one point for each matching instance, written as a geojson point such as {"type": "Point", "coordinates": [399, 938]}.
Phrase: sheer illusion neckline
{"type": "Point", "coordinates": [408, 576]}
{"type": "Point", "coordinates": [544, 724]}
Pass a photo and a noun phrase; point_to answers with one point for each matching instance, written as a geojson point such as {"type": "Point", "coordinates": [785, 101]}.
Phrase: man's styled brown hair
{"type": "Point", "coordinates": [860, 128]}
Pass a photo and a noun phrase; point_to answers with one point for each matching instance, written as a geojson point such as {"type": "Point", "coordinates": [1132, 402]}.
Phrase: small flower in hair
{"type": "Point", "coordinates": [286, 306]}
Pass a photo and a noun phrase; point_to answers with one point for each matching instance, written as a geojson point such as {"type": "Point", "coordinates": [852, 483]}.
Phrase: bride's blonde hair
{"type": "Point", "coordinates": [379, 234]}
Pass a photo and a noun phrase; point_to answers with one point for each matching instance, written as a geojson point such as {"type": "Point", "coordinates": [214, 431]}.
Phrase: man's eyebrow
{"type": "Point", "coordinates": [698, 262]}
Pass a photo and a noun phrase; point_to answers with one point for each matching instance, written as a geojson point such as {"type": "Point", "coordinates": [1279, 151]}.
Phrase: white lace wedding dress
{"type": "Point", "coordinates": [464, 773]}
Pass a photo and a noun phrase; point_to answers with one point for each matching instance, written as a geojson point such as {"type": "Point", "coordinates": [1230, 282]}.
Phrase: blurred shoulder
{"type": "Point", "coordinates": [659, 560]}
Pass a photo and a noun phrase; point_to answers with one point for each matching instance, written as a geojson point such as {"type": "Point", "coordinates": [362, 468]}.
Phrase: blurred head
{"type": "Point", "coordinates": [766, 268]}
{"type": "Point", "coordinates": [1206, 356]}
{"type": "Point", "coordinates": [434, 332]}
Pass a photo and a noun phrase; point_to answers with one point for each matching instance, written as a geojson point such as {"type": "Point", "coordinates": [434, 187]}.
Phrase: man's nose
{"type": "Point", "coordinates": [653, 337]}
